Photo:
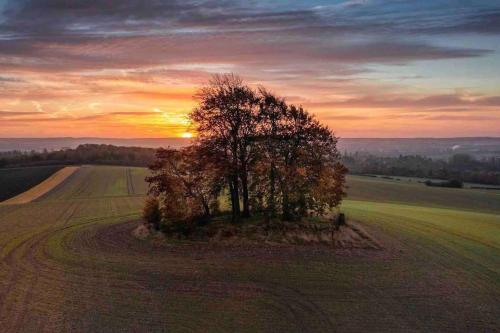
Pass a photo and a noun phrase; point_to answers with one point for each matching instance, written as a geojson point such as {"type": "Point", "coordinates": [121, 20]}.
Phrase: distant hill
{"type": "Point", "coordinates": [39, 144]}
{"type": "Point", "coordinates": [431, 147]}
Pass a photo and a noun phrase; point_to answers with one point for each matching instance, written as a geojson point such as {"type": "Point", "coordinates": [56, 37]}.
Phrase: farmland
{"type": "Point", "coordinates": [17, 180]}
{"type": "Point", "coordinates": [414, 193]}
{"type": "Point", "coordinates": [68, 262]}
{"type": "Point", "coordinates": [42, 188]}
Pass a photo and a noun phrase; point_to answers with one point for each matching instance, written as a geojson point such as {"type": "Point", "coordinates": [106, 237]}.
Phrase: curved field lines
{"type": "Point", "coordinates": [68, 262]}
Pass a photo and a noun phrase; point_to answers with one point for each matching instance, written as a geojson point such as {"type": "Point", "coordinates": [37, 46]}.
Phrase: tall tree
{"type": "Point", "coordinates": [272, 109]}
{"type": "Point", "coordinates": [225, 122]}
{"type": "Point", "coordinates": [308, 160]}
{"type": "Point", "coordinates": [300, 164]}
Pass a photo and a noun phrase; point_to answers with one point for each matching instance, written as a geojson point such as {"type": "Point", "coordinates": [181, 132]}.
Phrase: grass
{"type": "Point", "coordinates": [17, 180]}
{"type": "Point", "coordinates": [382, 190]}
{"type": "Point", "coordinates": [477, 235]}
{"type": "Point", "coordinates": [69, 263]}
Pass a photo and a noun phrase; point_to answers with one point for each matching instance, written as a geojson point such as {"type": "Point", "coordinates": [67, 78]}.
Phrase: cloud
{"type": "Point", "coordinates": [132, 113]}
{"type": "Point", "coordinates": [432, 101]}
{"type": "Point", "coordinates": [254, 53]}
{"type": "Point", "coordinates": [69, 54]}
{"type": "Point", "coordinates": [416, 17]}
{"type": "Point", "coordinates": [463, 118]}
{"type": "Point", "coordinates": [487, 22]}
{"type": "Point", "coordinates": [56, 119]}
{"type": "Point", "coordinates": [159, 95]}
{"type": "Point", "coordinates": [56, 35]}
{"type": "Point", "coordinates": [9, 79]}
{"type": "Point", "coordinates": [19, 116]}
{"type": "Point", "coordinates": [4, 113]}
{"type": "Point", "coordinates": [344, 117]}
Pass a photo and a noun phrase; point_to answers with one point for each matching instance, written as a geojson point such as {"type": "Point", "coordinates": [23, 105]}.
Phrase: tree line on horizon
{"type": "Point", "coordinates": [458, 167]}
{"type": "Point", "coordinates": [83, 154]}
{"type": "Point", "coordinates": [265, 155]}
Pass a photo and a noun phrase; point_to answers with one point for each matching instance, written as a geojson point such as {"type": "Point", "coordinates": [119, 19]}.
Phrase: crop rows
{"type": "Point", "coordinates": [68, 262]}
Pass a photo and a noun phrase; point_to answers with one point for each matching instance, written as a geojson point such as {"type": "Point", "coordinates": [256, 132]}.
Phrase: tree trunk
{"type": "Point", "coordinates": [272, 171]}
{"type": "Point", "coordinates": [235, 199]}
{"type": "Point", "coordinates": [235, 191]}
{"type": "Point", "coordinates": [272, 191]}
{"type": "Point", "coordinates": [244, 189]}
{"type": "Point", "coordinates": [246, 201]}
{"type": "Point", "coordinates": [286, 215]}
{"type": "Point", "coordinates": [230, 185]}
{"type": "Point", "coordinates": [206, 209]}
{"type": "Point", "coordinates": [243, 173]}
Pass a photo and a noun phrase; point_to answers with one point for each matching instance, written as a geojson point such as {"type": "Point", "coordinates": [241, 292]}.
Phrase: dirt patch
{"type": "Point", "coordinates": [44, 187]}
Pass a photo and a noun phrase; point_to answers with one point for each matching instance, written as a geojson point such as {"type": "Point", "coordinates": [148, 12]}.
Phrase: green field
{"type": "Point", "coordinates": [68, 262]}
{"type": "Point", "coordinates": [14, 181]}
{"type": "Point", "coordinates": [413, 193]}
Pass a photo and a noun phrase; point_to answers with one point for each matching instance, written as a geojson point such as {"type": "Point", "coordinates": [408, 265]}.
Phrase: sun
{"type": "Point", "coordinates": [187, 135]}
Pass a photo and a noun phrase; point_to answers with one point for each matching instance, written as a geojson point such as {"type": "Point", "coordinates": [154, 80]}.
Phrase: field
{"type": "Point", "coordinates": [42, 188]}
{"type": "Point", "coordinates": [68, 262]}
{"type": "Point", "coordinates": [17, 180]}
{"type": "Point", "coordinates": [414, 193]}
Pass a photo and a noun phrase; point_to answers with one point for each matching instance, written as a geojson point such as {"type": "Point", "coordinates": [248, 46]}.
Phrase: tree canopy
{"type": "Point", "coordinates": [268, 156]}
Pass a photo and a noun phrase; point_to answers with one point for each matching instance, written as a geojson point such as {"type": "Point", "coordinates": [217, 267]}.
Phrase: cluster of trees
{"type": "Point", "coordinates": [83, 154]}
{"type": "Point", "coordinates": [267, 156]}
{"type": "Point", "coordinates": [461, 167]}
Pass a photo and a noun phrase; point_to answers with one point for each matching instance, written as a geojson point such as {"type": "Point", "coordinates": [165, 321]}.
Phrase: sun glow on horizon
{"type": "Point", "coordinates": [402, 69]}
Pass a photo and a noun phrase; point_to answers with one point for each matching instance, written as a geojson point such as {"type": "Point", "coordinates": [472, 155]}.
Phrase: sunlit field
{"type": "Point", "coordinates": [69, 262]}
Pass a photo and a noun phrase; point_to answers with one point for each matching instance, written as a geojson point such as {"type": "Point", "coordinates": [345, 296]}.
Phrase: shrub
{"type": "Point", "coordinates": [151, 212]}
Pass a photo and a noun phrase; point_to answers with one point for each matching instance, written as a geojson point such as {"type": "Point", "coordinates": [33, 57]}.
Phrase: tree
{"type": "Point", "coordinates": [276, 157]}
{"type": "Point", "coordinates": [187, 184]}
{"type": "Point", "coordinates": [225, 121]}
{"type": "Point", "coordinates": [308, 163]}
{"type": "Point", "coordinates": [272, 110]}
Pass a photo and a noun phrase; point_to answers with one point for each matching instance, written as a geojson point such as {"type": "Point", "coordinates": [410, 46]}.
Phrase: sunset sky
{"type": "Point", "coordinates": [123, 68]}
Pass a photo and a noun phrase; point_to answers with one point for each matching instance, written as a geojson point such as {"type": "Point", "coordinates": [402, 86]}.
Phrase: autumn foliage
{"type": "Point", "coordinates": [269, 157]}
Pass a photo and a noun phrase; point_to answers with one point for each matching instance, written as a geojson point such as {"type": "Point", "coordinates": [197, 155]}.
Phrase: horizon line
{"type": "Point", "coordinates": [188, 139]}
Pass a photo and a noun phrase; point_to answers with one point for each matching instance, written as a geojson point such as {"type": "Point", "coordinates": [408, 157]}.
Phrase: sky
{"type": "Point", "coordinates": [366, 68]}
